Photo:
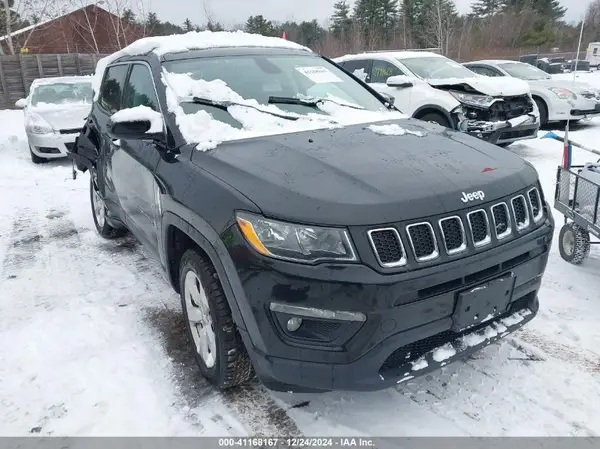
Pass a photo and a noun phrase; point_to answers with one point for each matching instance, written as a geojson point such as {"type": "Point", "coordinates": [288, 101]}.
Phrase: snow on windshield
{"type": "Point", "coordinates": [436, 67]}
{"type": "Point", "coordinates": [50, 95]}
{"type": "Point", "coordinates": [199, 127]}
{"type": "Point", "coordinates": [524, 71]}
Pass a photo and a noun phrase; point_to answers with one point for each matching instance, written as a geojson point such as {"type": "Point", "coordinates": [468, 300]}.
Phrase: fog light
{"type": "Point", "coordinates": [294, 324]}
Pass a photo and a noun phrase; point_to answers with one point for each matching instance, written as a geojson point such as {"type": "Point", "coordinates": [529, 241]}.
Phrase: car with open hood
{"type": "Point", "coordinates": [318, 238]}
{"type": "Point", "coordinates": [557, 99]}
{"type": "Point", "coordinates": [431, 87]}
{"type": "Point", "coordinates": [54, 113]}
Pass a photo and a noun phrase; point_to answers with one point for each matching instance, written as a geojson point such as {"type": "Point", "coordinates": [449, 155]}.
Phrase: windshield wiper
{"type": "Point", "coordinates": [223, 105]}
{"type": "Point", "coordinates": [310, 102]}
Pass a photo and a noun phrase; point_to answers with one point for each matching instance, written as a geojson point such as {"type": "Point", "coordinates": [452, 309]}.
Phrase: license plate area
{"type": "Point", "coordinates": [480, 303]}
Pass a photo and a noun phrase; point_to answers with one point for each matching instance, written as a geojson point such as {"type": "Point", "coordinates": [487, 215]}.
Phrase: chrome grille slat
{"type": "Point", "coordinates": [423, 232]}
{"type": "Point", "coordinates": [453, 248]}
{"type": "Point", "coordinates": [474, 225]}
{"type": "Point", "coordinates": [384, 261]}
{"type": "Point", "coordinates": [501, 220]}
{"type": "Point", "coordinates": [535, 202]}
{"type": "Point", "coordinates": [521, 212]}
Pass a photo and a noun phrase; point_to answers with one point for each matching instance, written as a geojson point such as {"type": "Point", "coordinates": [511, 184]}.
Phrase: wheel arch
{"type": "Point", "coordinates": [182, 228]}
{"type": "Point", "coordinates": [435, 109]}
{"type": "Point", "coordinates": [537, 97]}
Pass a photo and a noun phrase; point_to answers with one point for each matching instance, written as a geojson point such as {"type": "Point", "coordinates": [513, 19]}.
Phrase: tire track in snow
{"type": "Point", "coordinates": [25, 241]}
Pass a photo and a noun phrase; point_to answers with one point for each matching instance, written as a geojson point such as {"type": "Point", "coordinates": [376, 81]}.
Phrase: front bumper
{"type": "Point", "coordinates": [349, 353]}
{"type": "Point", "coordinates": [51, 146]}
{"type": "Point", "coordinates": [503, 132]}
{"type": "Point", "coordinates": [585, 108]}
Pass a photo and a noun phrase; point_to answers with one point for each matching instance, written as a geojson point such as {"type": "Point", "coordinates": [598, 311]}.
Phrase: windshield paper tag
{"type": "Point", "coordinates": [319, 75]}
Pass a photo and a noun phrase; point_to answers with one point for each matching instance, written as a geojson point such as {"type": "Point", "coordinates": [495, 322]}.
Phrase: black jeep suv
{"type": "Point", "coordinates": [347, 257]}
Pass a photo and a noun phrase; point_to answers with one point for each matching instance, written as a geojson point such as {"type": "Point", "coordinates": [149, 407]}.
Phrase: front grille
{"type": "Point", "coordinates": [517, 134]}
{"type": "Point", "coordinates": [453, 233]}
{"type": "Point", "coordinates": [521, 214]}
{"type": "Point", "coordinates": [388, 247]}
{"type": "Point", "coordinates": [501, 218]}
{"type": "Point", "coordinates": [494, 223]}
{"type": "Point", "coordinates": [422, 241]}
{"type": "Point", "coordinates": [511, 107]}
{"type": "Point", "coordinates": [480, 227]}
{"type": "Point", "coordinates": [535, 202]}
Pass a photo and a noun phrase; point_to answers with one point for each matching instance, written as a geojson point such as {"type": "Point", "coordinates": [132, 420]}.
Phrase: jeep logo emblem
{"type": "Point", "coordinates": [478, 195]}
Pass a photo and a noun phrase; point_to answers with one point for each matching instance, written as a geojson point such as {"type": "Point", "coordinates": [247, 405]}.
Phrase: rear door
{"type": "Point", "coordinates": [133, 163]}
{"type": "Point", "coordinates": [361, 68]}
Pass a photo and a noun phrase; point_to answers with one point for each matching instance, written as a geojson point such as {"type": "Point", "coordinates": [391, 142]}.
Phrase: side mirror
{"type": "Point", "coordinates": [400, 81]}
{"type": "Point", "coordinates": [133, 130]}
{"type": "Point", "coordinates": [389, 98]}
{"type": "Point", "coordinates": [21, 103]}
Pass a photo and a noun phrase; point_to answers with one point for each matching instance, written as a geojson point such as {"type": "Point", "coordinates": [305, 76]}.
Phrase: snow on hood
{"type": "Point", "coordinates": [487, 85]}
{"type": "Point", "coordinates": [201, 129]}
{"type": "Point", "coordinates": [193, 40]}
{"type": "Point", "coordinates": [62, 116]}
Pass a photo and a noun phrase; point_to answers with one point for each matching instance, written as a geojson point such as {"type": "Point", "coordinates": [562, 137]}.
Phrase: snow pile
{"type": "Point", "coordinates": [394, 130]}
{"type": "Point", "coordinates": [140, 113]}
{"type": "Point", "coordinates": [193, 40]}
{"type": "Point", "coordinates": [419, 364]}
{"type": "Point", "coordinates": [443, 352]}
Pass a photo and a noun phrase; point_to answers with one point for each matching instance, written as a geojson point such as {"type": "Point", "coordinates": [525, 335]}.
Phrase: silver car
{"type": "Point", "coordinates": [55, 111]}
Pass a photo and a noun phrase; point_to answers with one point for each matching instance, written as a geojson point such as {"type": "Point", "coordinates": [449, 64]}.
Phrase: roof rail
{"type": "Point", "coordinates": [433, 49]}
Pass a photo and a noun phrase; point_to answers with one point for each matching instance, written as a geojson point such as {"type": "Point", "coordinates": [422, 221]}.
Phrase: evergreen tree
{"type": "Point", "coordinates": [188, 26]}
{"type": "Point", "coordinates": [341, 22]}
{"type": "Point", "coordinates": [260, 25]}
{"type": "Point", "coordinates": [214, 26]}
{"type": "Point", "coordinates": [377, 18]}
{"type": "Point", "coordinates": [152, 24]}
{"type": "Point", "coordinates": [486, 8]}
{"type": "Point", "coordinates": [128, 16]}
{"type": "Point", "coordinates": [311, 33]}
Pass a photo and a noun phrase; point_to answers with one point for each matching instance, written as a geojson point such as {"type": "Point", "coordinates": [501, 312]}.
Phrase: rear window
{"type": "Point", "coordinates": [62, 93]}
{"type": "Point", "coordinates": [111, 91]}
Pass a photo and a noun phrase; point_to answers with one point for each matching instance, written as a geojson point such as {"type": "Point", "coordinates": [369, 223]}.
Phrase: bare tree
{"type": "Point", "coordinates": [8, 18]}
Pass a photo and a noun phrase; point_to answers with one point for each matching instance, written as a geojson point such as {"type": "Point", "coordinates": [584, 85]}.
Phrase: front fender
{"type": "Point", "coordinates": [196, 228]}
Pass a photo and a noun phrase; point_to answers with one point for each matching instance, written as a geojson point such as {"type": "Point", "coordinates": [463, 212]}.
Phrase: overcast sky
{"type": "Point", "coordinates": [230, 12]}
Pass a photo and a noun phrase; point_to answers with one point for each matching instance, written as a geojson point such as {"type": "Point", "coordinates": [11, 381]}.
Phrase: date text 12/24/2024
{"type": "Point", "coordinates": [296, 442]}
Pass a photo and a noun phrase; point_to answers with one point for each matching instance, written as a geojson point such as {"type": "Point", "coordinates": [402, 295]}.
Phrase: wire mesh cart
{"type": "Point", "coordinates": [578, 199]}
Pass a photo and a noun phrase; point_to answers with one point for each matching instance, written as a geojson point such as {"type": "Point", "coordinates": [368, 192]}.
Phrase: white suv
{"type": "Point", "coordinates": [433, 88]}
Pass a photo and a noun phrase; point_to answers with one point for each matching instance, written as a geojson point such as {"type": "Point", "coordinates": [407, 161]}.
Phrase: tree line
{"type": "Point", "coordinates": [492, 28]}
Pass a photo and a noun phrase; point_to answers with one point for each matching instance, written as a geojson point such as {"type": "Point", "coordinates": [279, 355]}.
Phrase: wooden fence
{"type": "Point", "coordinates": [18, 72]}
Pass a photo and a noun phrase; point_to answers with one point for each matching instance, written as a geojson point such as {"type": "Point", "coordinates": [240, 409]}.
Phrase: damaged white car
{"type": "Point", "coordinates": [55, 111]}
{"type": "Point", "coordinates": [433, 88]}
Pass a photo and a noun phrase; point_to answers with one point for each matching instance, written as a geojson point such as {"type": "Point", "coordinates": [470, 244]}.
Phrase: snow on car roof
{"type": "Point", "coordinates": [391, 54]}
{"type": "Point", "coordinates": [495, 61]}
{"type": "Point", "coordinates": [194, 40]}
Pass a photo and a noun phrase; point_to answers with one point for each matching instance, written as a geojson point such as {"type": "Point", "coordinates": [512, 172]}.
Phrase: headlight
{"type": "Point", "coordinates": [563, 94]}
{"type": "Point", "coordinates": [35, 124]}
{"type": "Point", "coordinates": [480, 101]}
{"type": "Point", "coordinates": [297, 243]}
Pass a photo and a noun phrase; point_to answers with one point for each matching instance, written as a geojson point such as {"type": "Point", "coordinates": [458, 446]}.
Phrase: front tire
{"type": "Point", "coordinates": [435, 117]}
{"type": "Point", "coordinates": [574, 243]}
{"type": "Point", "coordinates": [218, 348]}
{"type": "Point", "coordinates": [35, 158]}
{"type": "Point", "coordinates": [99, 214]}
{"type": "Point", "coordinates": [543, 111]}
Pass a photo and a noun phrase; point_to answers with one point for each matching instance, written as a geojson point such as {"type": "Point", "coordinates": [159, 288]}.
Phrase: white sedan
{"type": "Point", "coordinates": [556, 99]}
{"type": "Point", "coordinates": [55, 112]}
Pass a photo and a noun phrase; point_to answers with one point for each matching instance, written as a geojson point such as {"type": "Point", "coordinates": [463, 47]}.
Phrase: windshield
{"type": "Point", "coordinates": [436, 67]}
{"type": "Point", "coordinates": [63, 93]}
{"type": "Point", "coordinates": [269, 78]}
{"type": "Point", "coordinates": [524, 71]}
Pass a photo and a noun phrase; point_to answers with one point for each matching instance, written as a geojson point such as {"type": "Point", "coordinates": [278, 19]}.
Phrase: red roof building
{"type": "Point", "coordinates": [86, 30]}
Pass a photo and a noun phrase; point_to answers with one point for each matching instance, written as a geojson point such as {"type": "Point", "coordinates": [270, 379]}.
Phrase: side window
{"type": "Point", "coordinates": [359, 68]}
{"type": "Point", "coordinates": [112, 88]}
{"type": "Point", "coordinates": [595, 51]}
{"type": "Point", "coordinates": [486, 71]}
{"type": "Point", "coordinates": [139, 90]}
{"type": "Point", "coordinates": [382, 70]}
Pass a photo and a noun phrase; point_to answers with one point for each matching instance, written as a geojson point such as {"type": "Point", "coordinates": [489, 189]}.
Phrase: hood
{"type": "Point", "coordinates": [579, 86]}
{"type": "Point", "coordinates": [354, 176]}
{"type": "Point", "coordinates": [70, 116]}
{"type": "Point", "coordinates": [492, 86]}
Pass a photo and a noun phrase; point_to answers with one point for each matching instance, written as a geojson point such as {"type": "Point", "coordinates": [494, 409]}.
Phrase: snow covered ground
{"type": "Point", "coordinates": [92, 341]}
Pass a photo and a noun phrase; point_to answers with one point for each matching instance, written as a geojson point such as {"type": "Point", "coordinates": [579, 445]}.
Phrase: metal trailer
{"type": "Point", "coordinates": [578, 199]}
